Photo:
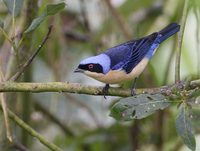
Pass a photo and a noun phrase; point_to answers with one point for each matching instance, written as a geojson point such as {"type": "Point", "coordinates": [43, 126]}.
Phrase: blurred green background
{"type": "Point", "coordinates": [77, 122]}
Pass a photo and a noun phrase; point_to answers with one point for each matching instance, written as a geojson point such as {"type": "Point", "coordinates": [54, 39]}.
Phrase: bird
{"type": "Point", "coordinates": [126, 61]}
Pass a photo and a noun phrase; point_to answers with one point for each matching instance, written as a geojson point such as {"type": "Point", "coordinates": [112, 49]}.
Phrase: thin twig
{"type": "Point", "coordinates": [120, 21]}
{"type": "Point", "coordinates": [91, 90]}
{"type": "Point", "coordinates": [180, 40]}
{"type": "Point", "coordinates": [47, 113]}
{"type": "Point", "coordinates": [18, 146]}
{"type": "Point", "coordinates": [32, 132]}
{"type": "Point", "coordinates": [83, 105]}
{"type": "Point", "coordinates": [159, 130]}
{"type": "Point", "coordinates": [29, 61]}
{"type": "Point", "coordinates": [134, 134]}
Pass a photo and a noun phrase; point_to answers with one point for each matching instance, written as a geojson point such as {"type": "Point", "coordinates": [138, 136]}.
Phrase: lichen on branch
{"type": "Point", "coordinates": [91, 90]}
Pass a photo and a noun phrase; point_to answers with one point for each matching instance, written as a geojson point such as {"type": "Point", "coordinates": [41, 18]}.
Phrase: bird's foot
{"type": "Point", "coordinates": [133, 92]}
{"type": "Point", "coordinates": [133, 87]}
{"type": "Point", "coordinates": [105, 90]}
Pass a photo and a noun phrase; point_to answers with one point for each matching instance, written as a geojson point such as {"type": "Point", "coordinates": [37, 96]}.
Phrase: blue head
{"type": "Point", "coordinates": [95, 65]}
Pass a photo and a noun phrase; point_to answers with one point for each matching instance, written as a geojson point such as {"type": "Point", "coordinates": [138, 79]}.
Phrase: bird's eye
{"type": "Point", "coordinates": [90, 66]}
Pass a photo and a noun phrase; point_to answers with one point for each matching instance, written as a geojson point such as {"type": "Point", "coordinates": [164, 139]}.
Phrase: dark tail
{"type": "Point", "coordinates": [169, 31]}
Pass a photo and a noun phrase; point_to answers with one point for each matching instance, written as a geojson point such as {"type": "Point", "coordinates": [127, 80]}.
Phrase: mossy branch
{"type": "Point", "coordinates": [90, 90]}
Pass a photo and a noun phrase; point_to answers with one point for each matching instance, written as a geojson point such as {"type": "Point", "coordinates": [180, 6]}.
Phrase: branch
{"type": "Point", "coordinates": [32, 131]}
{"type": "Point", "coordinates": [29, 61]}
{"type": "Point", "coordinates": [90, 90]}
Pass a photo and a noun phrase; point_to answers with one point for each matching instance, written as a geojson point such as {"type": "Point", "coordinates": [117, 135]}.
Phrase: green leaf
{"type": "Point", "coordinates": [1, 24]}
{"type": "Point", "coordinates": [138, 107]}
{"type": "Point", "coordinates": [184, 128]}
{"type": "Point", "coordinates": [36, 22]}
{"type": "Point", "coordinates": [51, 9]}
{"type": "Point", "coordinates": [14, 6]}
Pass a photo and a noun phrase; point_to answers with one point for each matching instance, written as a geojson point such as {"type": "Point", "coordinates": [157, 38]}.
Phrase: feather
{"type": "Point", "coordinates": [140, 52]}
{"type": "Point", "coordinates": [169, 31]}
{"type": "Point", "coordinates": [127, 55]}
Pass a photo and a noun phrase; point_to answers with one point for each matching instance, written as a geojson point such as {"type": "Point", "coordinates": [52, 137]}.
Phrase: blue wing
{"type": "Point", "coordinates": [126, 56]}
{"type": "Point", "coordinates": [145, 46]}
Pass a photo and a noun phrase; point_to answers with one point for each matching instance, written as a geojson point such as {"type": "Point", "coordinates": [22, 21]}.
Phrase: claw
{"type": "Point", "coordinates": [133, 92]}
{"type": "Point", "coordinates": [105, 90]}
{"type": "Point", "coordinates": [133, 87]}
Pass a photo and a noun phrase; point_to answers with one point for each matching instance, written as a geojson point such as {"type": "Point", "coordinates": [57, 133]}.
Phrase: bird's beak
{"type": "Point", "coordinates": [79, 70]}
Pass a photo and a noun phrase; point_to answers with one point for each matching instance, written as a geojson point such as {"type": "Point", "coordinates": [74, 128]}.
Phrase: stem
{"type": "Point", "coordinates": [14, 33]}
{"type": "Point", "coordinates": [31, 131]}
{"type": "Point", "coordinates": [159, 130]}
{"type": "Point", "coordinates": [135, 135]}
{"type": "Point", "coordinates": [197, 15]}
{"type": "Point", "coordinates": [120, 21]}
{"type": "Point", "coordinates": [26, 110]}
{"type": "Point", "coordinates": [180, 40]}
{"type": "Point", "coordinates": [5, 113]}
{"type": "Point", "coordinates": [8, 39]}
{"type": "Point", "coordinates": [26, 48]}
{"type": "Point", "coordinates": [20, 41]}
{"type": "Point", "coordinates": [13, 19]}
